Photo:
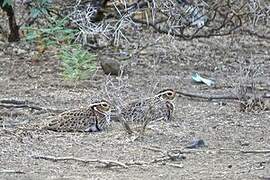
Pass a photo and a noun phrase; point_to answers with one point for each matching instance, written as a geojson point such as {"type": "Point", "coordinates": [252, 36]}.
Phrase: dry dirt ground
{"type": "Point", "coordinates": [238, 143]}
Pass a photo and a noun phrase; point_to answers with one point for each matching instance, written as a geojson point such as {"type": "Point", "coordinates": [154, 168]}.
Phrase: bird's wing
{"type": "Point", "coordinates": [88, 120]}
{"type": "Point", "coordinates": [135, 111]}
{"type": "Point", "coordinates": [164, 110]}
{"type": "Point", "coordinates": [74, 120]}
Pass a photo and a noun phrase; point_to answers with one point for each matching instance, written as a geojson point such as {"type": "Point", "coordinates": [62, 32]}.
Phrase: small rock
{"type": "Point", "coordinates": [197, 143]}
{"type": "Point", "coordinates": [111, 66]}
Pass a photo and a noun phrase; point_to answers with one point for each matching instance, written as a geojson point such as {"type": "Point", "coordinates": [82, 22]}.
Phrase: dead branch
{"type": "Point", "coordinates": [107, 163]}
{"type": "Point", "coordinates": [112, 163]}
{"type": "Point", "coordinates": [160, 159]}
{"type": "Point", "coordinates": [256, 151]}
{"type": "Point", "coordinates": [207, 97]}
{"type": "Point", "coordinates": [21, 106]}
{"type": "Point", "coordinates": [137, 163]}
{"type": "Point", "coordinates": [11, 171]}
{"type": "Point", "coordinates": [178, 18]}
{"type": "Point", "coordinates": [179, 151]}
{"type": "Point", "coordinates": [216, 97]}
{"type": "Point", "coordinates": [126, 126]}
{"type": "Point", "coordinates": [175, 165]}
{"type": "Point", "coordinates": [12, 103]}
{"type": "Point", "coordinates": [172, 155]}
{"type": "Point", "coordinates": [154, 149]}
{"type": "Point", "coordinates": [141, 163]}
{"type": "Point", "coordinates": [263, 151]}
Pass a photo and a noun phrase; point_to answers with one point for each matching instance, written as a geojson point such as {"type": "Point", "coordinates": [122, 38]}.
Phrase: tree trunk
{"type": "Point", "coordinates": [14, 29]}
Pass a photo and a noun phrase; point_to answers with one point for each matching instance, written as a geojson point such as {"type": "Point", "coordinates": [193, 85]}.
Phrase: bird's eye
{"type": "Point", "coordinates": [105, 105]}
{"type": "Point", "coordinates": [170, 93]}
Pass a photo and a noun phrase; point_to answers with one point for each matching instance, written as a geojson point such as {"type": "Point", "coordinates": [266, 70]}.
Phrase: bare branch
{"type": "Point", "coordinates": [33, 107]}
{"type": "Point", "coordinates": [207, 97]}
{"type": "Point", "coordinates": [107, 163]}
{"type": "Point", "coordinates": [264, 151]}
{"type": "Point", "coordinates": [10, 171]}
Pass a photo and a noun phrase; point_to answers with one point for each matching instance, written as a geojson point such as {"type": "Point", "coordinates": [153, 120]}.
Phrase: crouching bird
{"type": "Point", "coordinates": [94, 118]}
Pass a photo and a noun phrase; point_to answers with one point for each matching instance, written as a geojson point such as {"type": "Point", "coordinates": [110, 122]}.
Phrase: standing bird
{"type": "Point", "coordinates": [160, 106]}
{"type": "Point", "coordinates": [92, 119]}
{"type": "Point", "coordinates": [165, 106]}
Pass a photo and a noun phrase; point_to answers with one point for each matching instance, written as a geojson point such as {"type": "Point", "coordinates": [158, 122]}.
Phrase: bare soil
{"type": "Point", "coordinates": [233, 138]}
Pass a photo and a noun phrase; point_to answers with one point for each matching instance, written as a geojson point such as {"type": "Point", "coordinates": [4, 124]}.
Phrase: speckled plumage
{"type": "Point", "coordinates": [161, 107]}
{"type": "Point", "coordinates": [94, 118]}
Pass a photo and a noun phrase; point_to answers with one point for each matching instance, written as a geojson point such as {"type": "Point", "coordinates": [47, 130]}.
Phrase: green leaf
{"type": "Point", "coordinates": [43, 10]}
{"type": "Point", "coordinates": [31, 35]}
{"type": "Point", "coordinates": [77, 62]}
{"type": "Point", "coordinates": [35, 12]}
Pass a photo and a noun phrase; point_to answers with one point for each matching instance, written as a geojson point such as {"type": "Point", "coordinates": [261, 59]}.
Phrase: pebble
{"type": "Point", "coordinates": [197, 143]}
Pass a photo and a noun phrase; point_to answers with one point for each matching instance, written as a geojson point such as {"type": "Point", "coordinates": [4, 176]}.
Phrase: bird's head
{"type": "Point", "coordinates": [167, 94]}
{"type": "Point", "coordinates": [102, 107]}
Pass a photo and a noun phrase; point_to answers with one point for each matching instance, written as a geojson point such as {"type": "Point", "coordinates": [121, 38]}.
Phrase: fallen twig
{"type": "Point", "coordinates": [20, 106]}
{"type": "Point", "coordinates": [256, 151]}
{"type": "Point", "coordinates": [8, 171]}
{"type": "Point", "coordinates": [125, 125]}
{"type": "Point", "coordinates": [208, 97]}
{"type": "Point", "coordinates": [107, 163]}
{"type": "Point", "coordinates": [13, 101]}
{"type": "Point", "coordinates": [154, 149]}
{"type": "Point", "coordinates": [177, 152]}
{"type": "Point", "coordinates": [175, 165]}
{"type": "Point", "coordinates": [215, 97]}
{"type": "Point", "coordinates": [33, 107]}
{"type": "Point", "coordinates": [138, 163]}
{"type": "Point", "coordinates": [112, 163]}
{"type": "Point", "coordinates": [172, 155]}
